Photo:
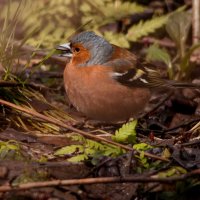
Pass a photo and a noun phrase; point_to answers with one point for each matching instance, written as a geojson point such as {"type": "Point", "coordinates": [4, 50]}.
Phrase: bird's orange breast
{"type": "Point", "coordinates": [94, 93]}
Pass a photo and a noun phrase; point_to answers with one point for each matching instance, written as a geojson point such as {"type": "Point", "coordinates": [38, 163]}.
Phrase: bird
{"type": "Point", "coordinates": [106, 82]}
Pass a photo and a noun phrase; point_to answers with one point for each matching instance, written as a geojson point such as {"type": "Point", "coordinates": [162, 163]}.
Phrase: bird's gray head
{"type": "Point", "coordinates": [99, 48]}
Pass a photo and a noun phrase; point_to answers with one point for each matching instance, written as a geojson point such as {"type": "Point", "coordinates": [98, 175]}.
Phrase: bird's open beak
{"type": "Point", "coordinates": [65, 50]}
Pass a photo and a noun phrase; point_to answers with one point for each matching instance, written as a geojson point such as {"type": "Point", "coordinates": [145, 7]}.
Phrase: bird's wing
{"type": "Point", "coordinates": [130, 71]}
{"type": "Point", "coordinates": [134, 72]}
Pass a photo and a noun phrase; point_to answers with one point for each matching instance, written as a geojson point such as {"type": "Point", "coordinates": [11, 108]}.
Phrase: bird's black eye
{"type": "Point", "coordinates": [77, 49]}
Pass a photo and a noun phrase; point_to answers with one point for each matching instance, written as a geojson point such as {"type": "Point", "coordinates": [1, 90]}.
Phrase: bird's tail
{"type": "Point", "coordinates": [155, 80]}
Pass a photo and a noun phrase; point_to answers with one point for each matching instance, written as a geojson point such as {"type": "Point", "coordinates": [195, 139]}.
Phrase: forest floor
{"type": "Point", "coordinates": [48, 150]}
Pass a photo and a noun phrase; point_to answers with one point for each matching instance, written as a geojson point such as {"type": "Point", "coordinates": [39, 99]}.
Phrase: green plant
{"type": "Point", "coordinates": [173, 171]}
{"type": "Point", "coordinates": [10, 150]}
{"type": "Point", "coordinates": [68, 15]}
{"type": "Point", "coordinates": [144, 28]}
{"type": "Point", "coordinates": [155, 53]}
{"type": "Point", "coordinates": [10, 50]}
{"type": "Point", "coordinates": [141, 158]}
{"type": "Point", "coordinates": [127, 133]}
{"type": "Point", "coordinates": [87, 149]}
{"type": "Point", "coordinates": [7, 50]}
{"type": "Point", "coordinates": [177, 26]}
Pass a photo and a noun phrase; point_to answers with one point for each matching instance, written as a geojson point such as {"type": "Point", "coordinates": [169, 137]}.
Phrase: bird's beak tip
{"type": "Point", "coordinates": [65, 50]}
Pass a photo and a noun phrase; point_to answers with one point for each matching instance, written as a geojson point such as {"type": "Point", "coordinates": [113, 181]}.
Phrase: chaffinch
{"type": "Point", "coordinates": [106, 82]}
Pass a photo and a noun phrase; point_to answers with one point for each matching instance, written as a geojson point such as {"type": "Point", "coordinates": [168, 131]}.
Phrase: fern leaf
{"type": "Point", "coordinates": [88, 149]}
{"type": "Point", "coordinates": [121, 9]}
{"type": "Point", "coordinates": [78, 138]}
{"type": "Point", "coordinates": [69, 150]}
{"type": "Point", "coordinates": [142, 146]}
{"type": "Point", "coordinates": [78, 158]}
{"type": "Point", "coordinates": [94, 145]}
{"type": "Point", "coordinates": [127, 133]}
{"type": "Point", "coordinates": [117, 39]}
{"type": "Point", "coordinates": [145, 28]}
{"type": "Point", "coordinates": [113, 151]}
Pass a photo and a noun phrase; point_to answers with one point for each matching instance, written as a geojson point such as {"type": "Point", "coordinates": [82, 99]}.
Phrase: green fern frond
{"type": "Point", "coordinates": [144, 28]}
{"type": "Point", "coordinates": [119, 9]}
{"type": "Point", "coordinates": [142, 146]}
{"type": "Point", "coordinates": [78, 138]}
{"type": "Point", "coordinates": [117, 39]}
{"type": "Point", "coordinates": [42, 19]}
{"type": "Point", "coordinates": [113, 151]}
{"type": "Point", "coordinates": [127, 133]}
{"type": "Point", "coordinates": [88, 149]}
{"type": "Point", "coordinates": [172, 171]}
{"type": "Point", "coordinates": [94, 145]}
{"type": "Point", "coordinates": [104, 12]}
{"type": "Point", "coordinates": [69, 150]}
{"type": "Point", "coordinates": [78, 158]}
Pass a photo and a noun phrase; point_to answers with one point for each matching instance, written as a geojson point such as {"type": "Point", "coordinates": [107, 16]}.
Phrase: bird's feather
{"type": "Point", "coordinates": [134, 72]}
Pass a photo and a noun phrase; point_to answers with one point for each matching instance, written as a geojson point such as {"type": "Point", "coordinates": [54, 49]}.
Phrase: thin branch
{"type": "Point", "coordinates": [133, 179]}
{"type": "Point", "coordinates": [87, 135]}
{"type": "Point", "coordinates": [196, 21]}
{"type": "Point", "coordinates": [183, 125]}
{"type": "Point", "coordinates": [195, 142]}
{"type": "Point", "coordinates": [164, 43]}
{"type": "Point", "coordinates": [158, 105]}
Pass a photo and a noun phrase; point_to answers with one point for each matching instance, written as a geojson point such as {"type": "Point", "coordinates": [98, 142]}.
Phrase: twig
{"type": "Point", "coordinates": [164, 43]}
{"type": "Point", "coordinates": [196, 21]}
{"type": "Point", "coordinates": [87, 135]}
{"type": "Point", "coordinates": [158, 105]}
{"type": "Point", "coordinates": [195, 127]}
{"type": "Point", "coordinates": [182, 125]}
{"type": "Point", "coordinates": [195, 142]}
{"type": "Point", "coordinates": [133, 179]}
